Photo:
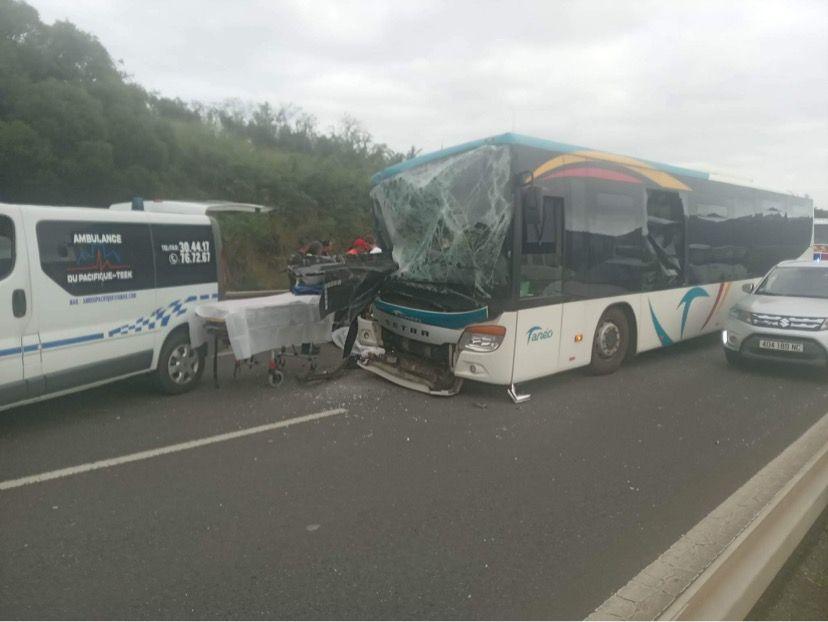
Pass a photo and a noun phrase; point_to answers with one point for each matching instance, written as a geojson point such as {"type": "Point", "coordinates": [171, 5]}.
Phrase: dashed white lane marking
{"type": "Point", "coordinates": [161, 451]}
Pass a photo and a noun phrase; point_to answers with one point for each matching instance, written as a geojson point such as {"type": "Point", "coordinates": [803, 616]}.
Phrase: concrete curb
{"type": "Point", "coordinates": [720, 568]}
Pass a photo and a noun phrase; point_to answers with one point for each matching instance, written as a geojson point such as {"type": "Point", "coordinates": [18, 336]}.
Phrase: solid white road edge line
{"type": "Point", "coordinates": [719, 568]}
{"type": "Point", "coordinates": [161, 451]}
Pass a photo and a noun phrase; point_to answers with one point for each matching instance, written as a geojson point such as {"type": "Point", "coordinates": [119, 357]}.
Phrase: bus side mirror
{"type": "Point", "coordinates": [525, 178]}
{"type": "Point", "coordinates": [747, 288]}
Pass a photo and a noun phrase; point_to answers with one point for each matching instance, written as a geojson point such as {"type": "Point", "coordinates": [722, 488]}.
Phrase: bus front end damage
{"type": "Point", "coordinates": [419, 329]}
{"type": "Point", "coordinates": [447, 225]}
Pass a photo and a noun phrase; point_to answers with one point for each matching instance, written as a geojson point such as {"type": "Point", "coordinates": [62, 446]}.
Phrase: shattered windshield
{"type": "Point", "coordinates": [446, 221]}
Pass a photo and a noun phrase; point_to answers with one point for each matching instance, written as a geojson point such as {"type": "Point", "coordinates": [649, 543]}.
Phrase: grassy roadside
{"type": "Point", "coordinates": [800, 590]}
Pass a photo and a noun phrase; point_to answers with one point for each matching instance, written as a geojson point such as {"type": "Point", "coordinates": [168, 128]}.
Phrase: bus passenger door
{"type": "Point", "coordinates": [540, 280]}
{"type": "Point", "coordinates": [665, 239]}
{"type": "Point", "coordinates": [15, 305]}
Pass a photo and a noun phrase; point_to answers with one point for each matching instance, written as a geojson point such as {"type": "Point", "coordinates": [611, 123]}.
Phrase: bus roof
{"type": "Point", "coordinates": [519, 139]}
{"type": "Point", "coordinates": [550, 145]}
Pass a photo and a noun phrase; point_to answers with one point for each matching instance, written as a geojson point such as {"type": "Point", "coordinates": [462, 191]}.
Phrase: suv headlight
{"type": "Point", "coordinates": [737, 313]}
{"type": "Point", "coordinates": [824, 325]}
{"type": "Point", "coordinates": [482, 337]}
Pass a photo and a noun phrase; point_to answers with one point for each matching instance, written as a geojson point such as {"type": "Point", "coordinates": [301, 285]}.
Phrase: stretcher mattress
{"type": "Point", "coordinates": [256, 325]}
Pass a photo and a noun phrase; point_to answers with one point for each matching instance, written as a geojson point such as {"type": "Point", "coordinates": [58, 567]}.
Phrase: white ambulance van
{"type": "Point", "coordinates": [88, 296]}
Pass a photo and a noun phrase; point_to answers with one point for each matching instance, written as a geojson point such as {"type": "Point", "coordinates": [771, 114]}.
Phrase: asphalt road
{"type": "Point", "coordinates": [404, 507]}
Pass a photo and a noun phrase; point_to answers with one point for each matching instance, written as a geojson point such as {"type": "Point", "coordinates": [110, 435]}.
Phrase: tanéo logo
{"type": "Point", "coordinates": [536, 333]}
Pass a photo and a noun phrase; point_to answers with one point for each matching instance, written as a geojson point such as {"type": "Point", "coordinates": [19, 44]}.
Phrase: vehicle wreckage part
{"type": "Point", "coordinates": [517, 398]}
{"type": "Point", "coordinates": [350, 286]}
{"type": "Point", "coordinates": [369, 332]}
{"type": "Point", "coordinates": [393, 373]}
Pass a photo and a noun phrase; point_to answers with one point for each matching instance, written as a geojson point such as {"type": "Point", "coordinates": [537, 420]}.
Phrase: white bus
{"type": "Point", "coordinates": [520, 257]}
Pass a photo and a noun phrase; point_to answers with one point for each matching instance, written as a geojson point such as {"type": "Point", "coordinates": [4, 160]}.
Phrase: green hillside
{"type": "Point", "coordinates": [74, 130]}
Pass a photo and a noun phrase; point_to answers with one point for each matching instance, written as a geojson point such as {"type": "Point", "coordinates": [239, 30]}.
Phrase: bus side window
{"type": "Point", "coordinates": [541, 267]}
{"type": "Point", "coordinates": [665, 235]}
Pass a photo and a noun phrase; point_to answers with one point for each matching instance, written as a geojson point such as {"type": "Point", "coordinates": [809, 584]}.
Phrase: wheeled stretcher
{"type": "Point", "coordinates": [284, 325]}
{"type": "Point", "coordinates": [294, 325]}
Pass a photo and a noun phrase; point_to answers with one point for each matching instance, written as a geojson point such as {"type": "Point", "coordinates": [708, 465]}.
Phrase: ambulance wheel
{"type": "Point", "coordinates": [611, 342]}
{"type": "Point", "coordinates": [180, 365]}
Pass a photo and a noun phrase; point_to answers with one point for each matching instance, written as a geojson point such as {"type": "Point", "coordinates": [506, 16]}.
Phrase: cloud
{"type": "Point", "coordinates": [740, 87]}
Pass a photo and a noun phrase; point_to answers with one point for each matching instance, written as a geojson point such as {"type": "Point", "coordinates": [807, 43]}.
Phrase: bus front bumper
{"type": "Point", "coordinates": [407, 376]}
{"type": "Point", "coordinates": [408, 371]}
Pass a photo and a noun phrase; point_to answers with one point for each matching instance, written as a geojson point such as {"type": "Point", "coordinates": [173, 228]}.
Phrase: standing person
{"type": "Point", "coordinates": [314, 248]}
{"type": "Point", "coordinates": [296, 259]}
{"type": "Point", "coordinates": [374, 248]}
{"type": "Point", "coordinates": [327, 248]}
{"type": "Point", "coordinates": [357, 247]}
{"type": "Point", "coordinates": [361, 246]}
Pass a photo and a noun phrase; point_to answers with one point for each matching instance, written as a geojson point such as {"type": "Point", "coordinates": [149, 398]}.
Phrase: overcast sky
{"type": "Point", "coordinates": [733, 87]}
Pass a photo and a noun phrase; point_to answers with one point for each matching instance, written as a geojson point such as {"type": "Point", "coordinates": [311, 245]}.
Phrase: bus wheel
{"type": "Point", "coordinates": [611, 342]}
{"type": "Point", "coordinates": [179, 365]}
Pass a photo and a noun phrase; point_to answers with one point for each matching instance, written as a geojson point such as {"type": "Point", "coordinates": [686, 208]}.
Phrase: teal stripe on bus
{"type": "Point", "coordinates": [443, 319]}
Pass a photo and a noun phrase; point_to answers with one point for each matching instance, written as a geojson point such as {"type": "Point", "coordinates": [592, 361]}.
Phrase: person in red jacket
{"type": "Point", "coordinates": [360, 247]}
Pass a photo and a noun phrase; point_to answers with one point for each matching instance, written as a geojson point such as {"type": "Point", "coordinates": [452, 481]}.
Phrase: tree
{"type": "Point", "coordinates": [75, 130]}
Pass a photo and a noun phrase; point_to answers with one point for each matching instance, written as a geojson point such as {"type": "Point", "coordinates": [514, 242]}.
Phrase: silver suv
{"type": "Point", "coordinates": [784, 319]}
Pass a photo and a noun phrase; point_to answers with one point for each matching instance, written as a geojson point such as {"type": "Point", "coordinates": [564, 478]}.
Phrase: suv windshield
{"type": "Point", "coordinates": [446, 221]}
{"type": "Point", "coordinates": [797, 282]}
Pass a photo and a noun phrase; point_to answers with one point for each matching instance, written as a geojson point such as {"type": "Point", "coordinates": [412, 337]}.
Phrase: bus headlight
{"type": "Point", "coordinates": [740, 314]}
{"type": "Point", "coordinates": [482, 337]}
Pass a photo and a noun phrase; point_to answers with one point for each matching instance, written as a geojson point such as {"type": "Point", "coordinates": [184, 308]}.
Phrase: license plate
{"type": "Point", "coordinates": [781, 346]}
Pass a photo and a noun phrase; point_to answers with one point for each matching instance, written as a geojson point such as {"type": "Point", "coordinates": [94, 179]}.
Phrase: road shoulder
{"type": "Point", "coordinates": [800, 590]}
{"type": "Point", "coordinates": [723, 564]}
